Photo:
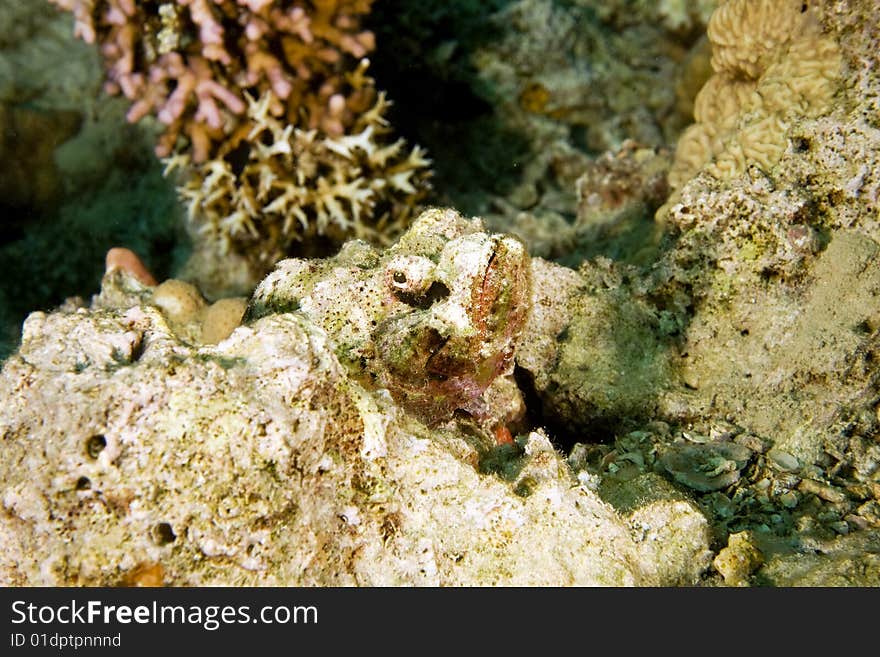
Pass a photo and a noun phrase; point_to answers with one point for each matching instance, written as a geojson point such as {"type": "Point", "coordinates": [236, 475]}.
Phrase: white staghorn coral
{"type": "Point", "coordinates": [295, 184]}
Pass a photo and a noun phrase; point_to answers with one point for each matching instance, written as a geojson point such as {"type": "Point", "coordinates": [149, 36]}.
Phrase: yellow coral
{"type": "Point", "coordinates": [189, 315]}
{"type": "Point", "coordinates": [772, 64]}
{"type": "Point", "coordinates": [179, 301]}
{"type": "Point", "coordinates": [720, 102]}
{"type": "Point", "coordinates": [220, 318]}
{"type": "Point", "coordinates": [747, 34]}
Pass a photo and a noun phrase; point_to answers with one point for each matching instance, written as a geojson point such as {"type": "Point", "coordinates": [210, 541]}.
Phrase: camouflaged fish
{"type": "Point", "coordinates": [434, 318]}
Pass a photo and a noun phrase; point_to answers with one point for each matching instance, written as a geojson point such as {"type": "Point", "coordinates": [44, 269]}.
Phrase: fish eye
{"type": "Point", "coordinates": [409, 275]}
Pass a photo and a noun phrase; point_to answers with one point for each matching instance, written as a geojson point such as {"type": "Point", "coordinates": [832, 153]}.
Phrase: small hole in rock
{"type": "Point", "coordinates": [83, 483]}
{"type": "Point", "coordinates": [163, 534]}
{"type": "Point", "coordinates": [95, 445]}
{"type": "Point", "coordinates": [801, 144]}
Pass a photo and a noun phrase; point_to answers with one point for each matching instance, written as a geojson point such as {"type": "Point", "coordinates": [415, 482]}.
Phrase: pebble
{"type": "Point", "coordinates": [725, 431]}
{"type": "Point", "coordinates": [783, 460]}
{"type": "Point", "coordinates": [841, 527]}
{"type": "Point", "coordinates": [789, 499]}
{"type": "Point", "coordinates": [826, 492]}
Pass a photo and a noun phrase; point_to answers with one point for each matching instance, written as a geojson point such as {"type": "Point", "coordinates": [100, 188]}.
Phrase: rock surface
{"type": "Point", "coordinates": [131, 456]}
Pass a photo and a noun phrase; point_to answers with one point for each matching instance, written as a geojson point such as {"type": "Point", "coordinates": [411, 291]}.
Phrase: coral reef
{"type": "Point", "coordinates": [579, 79]}
{"type": "Point", "coordinates": [514, 99]}
{"type": "Point", "coordinates": [260, 460]}
{"type": "Point", "coordinates": [76, 177]}
{"type": "Point", "coordinates": [267, 110]}
{"type": "Point", "coordinates": [757, 320]}
{"type": "Point", "coordinates": [769, 276]}
{"type": "Point", "coordinates": [396, 416]}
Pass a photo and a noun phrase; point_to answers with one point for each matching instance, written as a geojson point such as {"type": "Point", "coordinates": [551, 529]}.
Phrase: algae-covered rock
{"type": "Point", "coordinates": [594, 352]}
{"type": "Point", "coordinates": [669, 529]}
{"type": "Point", "coordinates": [852, 560]}
{"type": "Point", "coordinates": [739, 559]}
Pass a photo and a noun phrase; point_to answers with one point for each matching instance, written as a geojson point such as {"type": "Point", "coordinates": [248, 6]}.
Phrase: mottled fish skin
{"type": "Point", "coordinates": [434, 319]}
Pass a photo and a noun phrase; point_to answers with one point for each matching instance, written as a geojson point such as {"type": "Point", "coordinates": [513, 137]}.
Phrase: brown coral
{"type": "Point", "coordinates": [187, 62]}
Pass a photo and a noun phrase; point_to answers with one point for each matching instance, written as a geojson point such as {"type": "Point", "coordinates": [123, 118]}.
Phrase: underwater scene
{"type": "Point", "coordinates": [440, 293]}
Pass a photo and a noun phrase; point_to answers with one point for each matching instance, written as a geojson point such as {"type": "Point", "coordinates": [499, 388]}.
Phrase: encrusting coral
{"type": "Point", "coordinates": [184, 308]}
{"type": "Point", "coordinates": [772, 63]}
{"type": "Point", "coordinates": [267, 109]}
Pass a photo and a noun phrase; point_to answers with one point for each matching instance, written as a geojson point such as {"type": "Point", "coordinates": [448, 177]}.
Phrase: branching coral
{"type": "Point", "coordinates": [268, 112]}
{"type": "Point", "coordinates": [287, 184]}
{"type": "Point", "coordinates": [772, 64]}
{"type": "Point", "coordinates": [187, 62]}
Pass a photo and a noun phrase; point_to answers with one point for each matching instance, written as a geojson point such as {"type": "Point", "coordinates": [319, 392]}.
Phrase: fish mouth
{"type": "Point", "coordinates": [500, 295]}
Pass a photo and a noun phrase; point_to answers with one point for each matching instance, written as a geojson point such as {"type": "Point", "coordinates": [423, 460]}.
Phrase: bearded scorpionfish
{"type": "Point", "coordinates": [434, 319]}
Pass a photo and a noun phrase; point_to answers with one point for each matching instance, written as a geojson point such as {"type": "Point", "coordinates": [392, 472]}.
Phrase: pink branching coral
{"type": "Point", "coordinates": [188, 62]}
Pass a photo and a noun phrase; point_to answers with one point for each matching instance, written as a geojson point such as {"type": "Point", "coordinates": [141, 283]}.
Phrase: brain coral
{"type": "Point", "coordinates": [772, 64]}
